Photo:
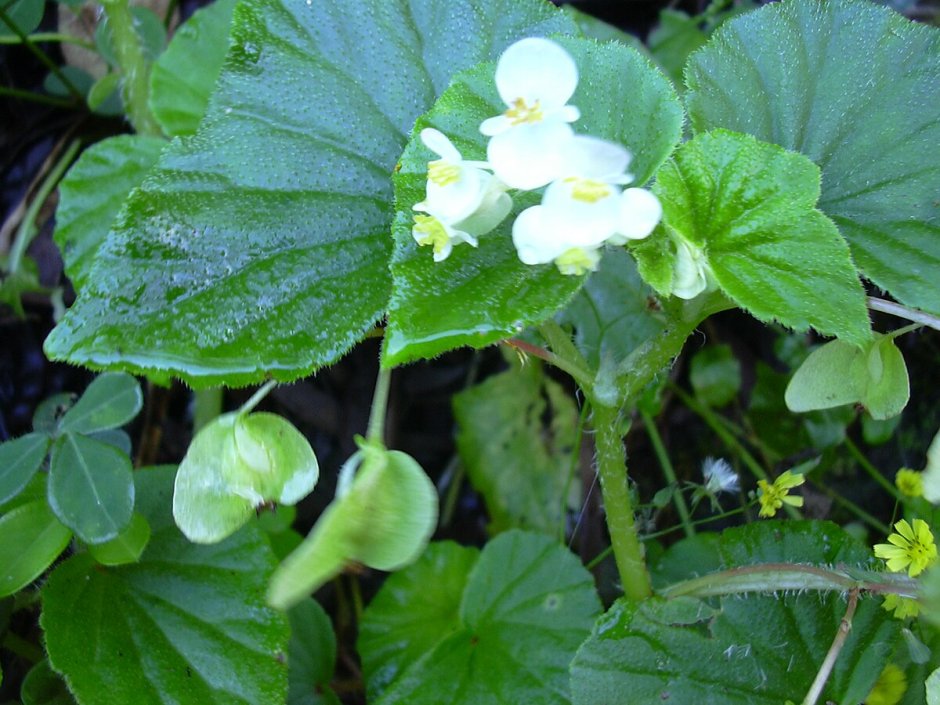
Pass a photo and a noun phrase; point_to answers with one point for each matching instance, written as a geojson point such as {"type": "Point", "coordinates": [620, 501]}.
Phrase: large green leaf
{"type": "Point", "coordinates": [91, 195]}
{"type": "Point", "coordinates": [312, 656]}
{"type": "Point", "coordinates": [479, 295]}
{"type": "Point", "coordinates": [395, 632]}
{"type": "Point", "coordinates": [183, 76]}
{"type": "Point", "coordinates": [762, 650]}
{"type": "Point", "coordinates": [526, 607]}
{"type": "Point", "coordinates": [30, 539]}
{"type": "Point", "coordinates": [857, 89]}
{"type": "Point", "coordinates": [749, 206]}
{"type": "Point", "coordinates": [187, 624]}
{"type": "Point", "coordinates": [517, 432]}
{"type": "Point", "coordinates": [260, 245]}
{"type": "Point", "coordinates": [91, 488]}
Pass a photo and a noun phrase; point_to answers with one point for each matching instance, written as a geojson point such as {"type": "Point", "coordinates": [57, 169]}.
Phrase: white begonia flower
{"type": "Point", "coordinates": [538, 242]}
{"type": "Point", "coordinates": [640, 213]}
{"type": "Point", "coordinates": [690, 276]}
{"type": "Point", "coordinates": [535, 78]}
{"type": "Point", "coordinates": [462, 200]}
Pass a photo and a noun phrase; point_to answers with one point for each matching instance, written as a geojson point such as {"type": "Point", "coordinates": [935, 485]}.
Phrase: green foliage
{"type": "Point", "coordinates": [91, 195]}
{"type": "Point", "coordinates": [111, 400]}
{"type": "Point", "coordinates": [797, 67]}
{"type": "Point", "coordinates": [30, 539]}
{"type": "Point", "coordinates": [715, 374]}
{"type": "Point", "coordinates": [382, 517]}
{"type": "Point", "coordinates": [748, 206]}
{"type": "Point", "coordinates": [25, 16]}
{"type": "Point", "coordinates": [20, 459]}
{"type": "Point", "coordinates": [277, 208]}
{"type": "Point", "coordinates": [43, 686]}
{"type": "Point", "coordinates": [184, 75]}
{"type": "Point", "coordinates": [505, 635]}
{"type": "Point", "coordinates": [192, 625]}
{"type": "Point", "coordinates": [484, 294]}
{"type": "Point", "coordinates": [126, 547]}
{"type": "Point", "coordinates": [758, 650]}
{"type": "Point", "coordinates": [234, 466]}
{"type": "Point", "coordinates": [837, 373]}
{"type": "Point", "coordinates": [312, 655]}
{"type": "Point", "coordinates": [517, 433]}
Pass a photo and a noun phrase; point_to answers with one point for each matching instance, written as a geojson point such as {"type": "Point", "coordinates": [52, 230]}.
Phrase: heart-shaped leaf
{"type": "Point", "coordinates": [259, 247]}
{"type": "Point", "coordinates": [477, 296]}
{"type": "Point", "coordinates": [382, 518]}
{"type": "Point", "coordinates": [235, 465]}
{"type": "Point", "coordinates": [790, 73]}
{"type": "Point", "coordinates": [91, 488]}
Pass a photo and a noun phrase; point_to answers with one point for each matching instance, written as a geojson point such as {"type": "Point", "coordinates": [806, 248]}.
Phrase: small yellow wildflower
{"type": "Point", "coordinates": [911, 547]}
{"type": "Point", "coordinates": [773, 496]}
{"type": "Point", "coordinates": [909, 482]}
{"type": "Point", "coordinates": [889, 688]}
{"type": "Point", "coordinates": [903, 607]}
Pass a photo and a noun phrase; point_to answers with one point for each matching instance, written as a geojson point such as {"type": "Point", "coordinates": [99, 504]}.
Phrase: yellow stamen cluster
{"type": "Point", "coordinates": [521, 113]}
{"type": "Point", "coordinates": [909, 482]}
{"type": "Point", "coordinates": [911, 548]}
{"type": "Point", "coordinates": [443, 173]}
{"type": "Point", "coordinates": [773, 496]}
{"type": "Point", "coordinates": [577, 261]}
{"type": "Point", "coordinates": [588, 190]}
{"type": "Point", "coordinates": [431, 232]}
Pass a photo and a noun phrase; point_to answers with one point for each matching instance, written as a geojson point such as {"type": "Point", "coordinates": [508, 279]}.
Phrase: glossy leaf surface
{"type": "Point", "coordinates": [756, 650]}
{"type": "Point", "coordinates": [111, 400]}
{"type": "Point", "coordinates": [20, 458]}
{"type": "Point", "coordinates": [187, 624]}
{"type": "Point", "coordinates": [91, 194]}
{"type": "Point", "coordinates": [749, 206]}
{"type": "Point", "coordinates": [526, 607]}
{"type": "Point", "coordinates": [30, 539]}
{"type": "Point", "coordinates": [260, 245]}
{"type": "Point", "coordinates": [184, 75]}
{"type": "Point", "coordinates": [91, 488]}
{"type": "Point", "coordinates": [791, 73]}
{"type": "Point", "coordinates": [312, 655]}
{"type": "Point", "coordinates": [236, 464]}
{"type": "Point", "coordinates": [479, 295]}
{"type": "Point", "coordinates": [126, 547]}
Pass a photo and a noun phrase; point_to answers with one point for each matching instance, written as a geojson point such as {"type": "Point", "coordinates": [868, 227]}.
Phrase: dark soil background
{"type": "Point", "coordinates": [333, 405]}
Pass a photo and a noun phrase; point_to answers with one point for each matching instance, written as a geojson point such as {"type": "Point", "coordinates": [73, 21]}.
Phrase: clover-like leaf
{"type": "Point", "coordinates": [382, 517]}
{"type": "Point", "coordinates": [236, 464]}
{"type": "Point", "coordinates": [259, 247]}
{"type": "Point", "coordinates": [31, 537]}
{"type": "Point", "coordinates": [856, 88]}
{"type": "Point", "coordinates": [111, 400]}
{"type": "Point", "coordinates": [749, 207]}
{"type": "Point", "coordinates": [477, 296]}
{"type": "Point", "coordinates": [20, 458]}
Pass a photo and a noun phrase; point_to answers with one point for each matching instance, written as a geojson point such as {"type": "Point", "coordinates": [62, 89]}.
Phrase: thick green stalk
{"type": "Point", "coordinates": [134, 66]}
{"type": "Point", "coordinates": [612, 470]}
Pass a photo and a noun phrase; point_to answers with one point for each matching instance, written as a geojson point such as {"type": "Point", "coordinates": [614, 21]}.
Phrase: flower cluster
{"type": "Point", "coordinates": [909, 482]}
{"type": "Point", "coordinates": [773, 496]}
{"type": "Point", "coordinates": [532, 145]}
{"type": "Point", "coordinates": [912, 549]}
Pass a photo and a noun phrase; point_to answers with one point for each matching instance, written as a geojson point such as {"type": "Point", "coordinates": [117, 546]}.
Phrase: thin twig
{"type": "Point", "coordinates": [911, 314]}
{"type": "Point", "coordinates": [845, 626]}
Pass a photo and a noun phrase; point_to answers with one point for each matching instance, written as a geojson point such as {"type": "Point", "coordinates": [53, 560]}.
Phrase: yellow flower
{"type": "Point", "coordinates": [911, 547]}
{"type": "Point", "coordinates": [909, 482]}
{"type": "Point", "coordinates": [903, 607]}
{"type": "Point", "coordinates": [773, 496]}
{"type": "Point", "coordinates": [889, 688]}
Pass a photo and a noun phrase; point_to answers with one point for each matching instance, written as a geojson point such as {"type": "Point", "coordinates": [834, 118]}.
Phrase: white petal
{"type": "Point", "coordinates": [586, 223]}
{"type": "Point", "coordinates": [528, 156]}
{"type": "Point", "coordinates": [495, 125]}
{"type": "Point", "coordinates": [438, 142]}
{"type": "Point", "coordinates": [457, 200]}
{"type": "Point", "coordinates": [536, 69]}
{"type": "Point", "coordinates": [640, 212]}
{"type": "Point", "coordinates": [595, 158]}
{"type": "Point", "coordinates": [531, 238]}
{"type": "Point", "coordinates": [492, 211]}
